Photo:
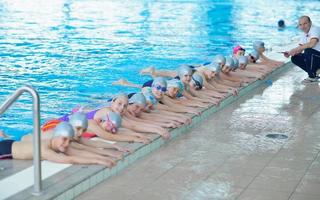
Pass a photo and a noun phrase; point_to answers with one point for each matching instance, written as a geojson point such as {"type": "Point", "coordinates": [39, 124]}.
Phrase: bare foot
{"type": "Point", "coordinates": [149, 70]}
{"type": "Point", "coordinates": [3, 135]}
{"type": "Point", "coordinates": [120, 82]}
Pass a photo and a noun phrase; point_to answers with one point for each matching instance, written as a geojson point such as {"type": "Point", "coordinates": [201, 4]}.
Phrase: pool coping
{"type": "Point", "coordinates": [77, 179]}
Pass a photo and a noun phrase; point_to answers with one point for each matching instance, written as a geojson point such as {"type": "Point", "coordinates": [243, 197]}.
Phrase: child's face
{"type": "Point", "coordinates": [186, 78]}
{"type": "Point", "coordinates": [251, 59]}
{"type": "Point", "coordinates": [209, 74]}
{"type": "Point", "coordinates": [172, 92]}
{"type": "Point", "coordinates": [158, 94]}
{"type": "Point", "coordinates": [239, 53]}
{"type": "Point", "coordinates": [148, 107]}
{"type": "Point", "coordinates": [136, 109]}
{"type": "Point", "coordinates": [226, 69]}
{"type": "Point", "coordinates": [120, 105]}
{"type": "Point", "coordinates": [261, 49]}
{"type": "Point", "coordinates": [242, 66]}
{"type": "Point", "coordinates": [61, 143]}
{"type": "Point", "coordinates": [78, 132]}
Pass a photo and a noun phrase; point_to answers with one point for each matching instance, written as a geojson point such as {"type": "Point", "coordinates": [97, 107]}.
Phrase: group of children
{"type": "Point", "coordinates": [169, 100]}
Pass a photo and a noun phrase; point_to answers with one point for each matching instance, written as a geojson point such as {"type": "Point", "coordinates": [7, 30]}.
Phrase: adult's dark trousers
{"type": "Point", "coordinates": [309, 61]}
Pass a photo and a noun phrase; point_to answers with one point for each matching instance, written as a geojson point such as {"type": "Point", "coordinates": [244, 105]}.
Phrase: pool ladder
{"type": "Point", "coordinates": [36, 131]}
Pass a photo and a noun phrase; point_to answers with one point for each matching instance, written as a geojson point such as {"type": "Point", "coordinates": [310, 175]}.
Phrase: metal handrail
{"type": "Point", "coordinates": [36, 131]}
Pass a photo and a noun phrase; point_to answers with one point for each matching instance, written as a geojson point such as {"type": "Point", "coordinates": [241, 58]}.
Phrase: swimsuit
{"type": "Point", "coordinates": [51, 124]}
{"type": "Point", "coordinates": [5, 149]}
{"type": "Point", "coordinates": [147, 84]}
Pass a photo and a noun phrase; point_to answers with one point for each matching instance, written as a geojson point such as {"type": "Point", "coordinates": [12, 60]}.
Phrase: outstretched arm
{"type": "Point", "coordinates": [74, 156]}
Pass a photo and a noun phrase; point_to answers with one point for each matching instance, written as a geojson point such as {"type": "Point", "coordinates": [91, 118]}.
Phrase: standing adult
{"type": "Point", "coordinates": [307, 54]}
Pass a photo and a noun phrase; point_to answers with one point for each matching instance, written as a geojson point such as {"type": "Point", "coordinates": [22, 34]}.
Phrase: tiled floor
{"type": "Point", "coordinates": [229, 157]}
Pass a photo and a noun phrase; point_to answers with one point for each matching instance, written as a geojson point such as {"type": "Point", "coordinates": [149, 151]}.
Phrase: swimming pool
{"type": "Point", "coordinates": [71, 51]}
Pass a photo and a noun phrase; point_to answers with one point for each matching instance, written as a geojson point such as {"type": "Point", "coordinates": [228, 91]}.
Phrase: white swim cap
{"type": "Point", "coordinates": [138, 98]}
{"type": "Point", "coordinates": [79, 119]}
{"type": "Point", "coordinates": [257, 44]}
{"type": "Point", "coordinates": [184, 70]}
{"type": "Point", "coordinates": [212, 67]}
{"type": "Point", "coordinates": [63, 129]}
{"type": "Point", "coordinates": [243, 60]}
{"type": "Point", "coordinates": [235, 63]}
{"type": "Point", "coordinates": [255, 54]}
{"type": "Point", "coordinates": [119, 95]}
{"type": "Point", "coordinates": [229, 62]}
{"type": "Point", "coordinates": [220, 59]}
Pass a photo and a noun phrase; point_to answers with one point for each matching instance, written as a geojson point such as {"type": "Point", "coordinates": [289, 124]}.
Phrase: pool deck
{"type": "Point", "coordinates": [228, 155]}
{"type": "Point", "coordinates": [242, 164]}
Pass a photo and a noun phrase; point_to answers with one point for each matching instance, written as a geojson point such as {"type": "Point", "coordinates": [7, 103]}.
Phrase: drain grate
{"type": "Point", "coordinates": [277, 136]}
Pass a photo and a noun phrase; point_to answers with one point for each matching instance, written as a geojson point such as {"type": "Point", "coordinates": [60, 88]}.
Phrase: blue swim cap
{"type": "Point", "coordinates": [184, 70]}
{"type": "Point", "coordinates": [281, 23]}
{"type": "Point", "coordinates": [220, 59]}
{"type": "Point", "coordinates": [138, 98]}
{"type": "Point", "coordinates": [243, 60]}
{"type": "Point", "coordinates": [63, 129]}
{"type": "Point", "coordinates": [197, 80]}
{"type": "Point", "coordinates": [173, 83]}
{"type": "Point", "coordinates": [257, 44]}
{"type": "Point", "coordinates": [79, 119]}
{"type": "Point", "coordinates": [159, 81]}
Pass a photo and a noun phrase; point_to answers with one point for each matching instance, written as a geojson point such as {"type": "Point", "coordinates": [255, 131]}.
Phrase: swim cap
{"type": "Point", "coordinates": [138, 98]}
{"type": "Point", "coordinates": [255, 54]}
{"type": "Point", "coordinates": [113, 117]}
{"type": "Point", "coordinates": [243, 60]}
{"type": "Point", "coordinates": [229, 62]}
{"type": "Point", "coordinates": [149, 96]}
{"type": "Point", "coordinates": [197, 80]}
{"type": "Point", "coordinates": [235, 63]}
{"type": "Point", "coordinates": [237, 48]}
{"type": "Point", "coordinates": [257, 44]}
{"type": "Point", "coordinates": [184, 70]}
{"type": "Point", "coordinates": [159, 81]}
{"type": "Point", "coordinates": [220, 59]}
{"type": "Point", "coordinates": [119, 95]}
{"type": "Point", "coordinates": [79, 119]}
{"type": "Point", "coordinates": [212, 67]}
{"type": "Point", "coordinates": [281, 23]}
{"type": "Point", "coordinates": [63, 129]}
{"type": "Point", "coordinates": [173, 83]}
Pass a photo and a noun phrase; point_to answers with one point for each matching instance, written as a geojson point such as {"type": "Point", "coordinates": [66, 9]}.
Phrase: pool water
{"type": "Point", "coordinates": [71, 51]}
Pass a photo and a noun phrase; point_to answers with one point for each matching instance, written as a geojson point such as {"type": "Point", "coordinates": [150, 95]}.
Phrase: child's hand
{"type": "Point", "coordinates": [124, 149]}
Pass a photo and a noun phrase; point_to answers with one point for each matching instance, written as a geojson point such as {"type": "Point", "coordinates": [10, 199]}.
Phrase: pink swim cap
{"type": "Point", "coordinates": [237, 48]}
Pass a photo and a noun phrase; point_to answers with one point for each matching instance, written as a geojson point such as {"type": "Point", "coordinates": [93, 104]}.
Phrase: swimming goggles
{"type": "Point", "coordinates": [253, 59]}
{"type": "Point", "coordinates": [159, 88]}
{"type": "Point", "coordinates": [109, 124]}
{"type": "Point", "coordinates": [197, 84]}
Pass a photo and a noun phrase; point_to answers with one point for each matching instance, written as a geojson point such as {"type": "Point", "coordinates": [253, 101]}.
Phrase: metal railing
{"type": "Point", "coordinates": [36, 131]}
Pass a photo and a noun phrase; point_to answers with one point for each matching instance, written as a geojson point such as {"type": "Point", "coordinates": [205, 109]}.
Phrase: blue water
{"type": "Point", "coordinates": [71, 51]}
